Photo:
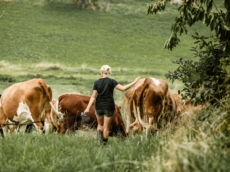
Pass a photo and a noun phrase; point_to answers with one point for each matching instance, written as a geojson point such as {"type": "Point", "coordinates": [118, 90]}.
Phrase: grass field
{"type": "Point", "coordinates": [66, 46]}
{"type": "Point", "coordinates": [57, 39]}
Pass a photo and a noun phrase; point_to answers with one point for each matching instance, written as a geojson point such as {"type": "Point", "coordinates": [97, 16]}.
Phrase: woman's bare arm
{"type": "Point", "coordinates": [126, 87]}
{"type": "Point", "coordinates": [91, 101]}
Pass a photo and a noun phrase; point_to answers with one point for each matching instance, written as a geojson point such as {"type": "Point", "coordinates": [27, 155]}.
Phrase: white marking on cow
{"type": "Point", "coordinates": [23, 113]}
{"type": "Point", "coordinates": [157, 82]}
{"type": "Point", "coordinates": [23, 116]}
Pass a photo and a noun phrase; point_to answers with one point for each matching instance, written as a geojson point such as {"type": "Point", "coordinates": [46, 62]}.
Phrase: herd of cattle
{"type": "Point", "coordinates": [148, 105]}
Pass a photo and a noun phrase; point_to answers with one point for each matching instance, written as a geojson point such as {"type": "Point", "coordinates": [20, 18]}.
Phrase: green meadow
{"type": "Point", "coordinates": [66, 45]}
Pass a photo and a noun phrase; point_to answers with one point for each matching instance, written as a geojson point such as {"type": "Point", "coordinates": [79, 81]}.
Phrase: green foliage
{"type": "Point", "coordinates": [206, 80]}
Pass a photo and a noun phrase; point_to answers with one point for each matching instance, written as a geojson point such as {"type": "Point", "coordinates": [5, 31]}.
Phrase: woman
{"type": "Point", "coordinates": [105, 105]}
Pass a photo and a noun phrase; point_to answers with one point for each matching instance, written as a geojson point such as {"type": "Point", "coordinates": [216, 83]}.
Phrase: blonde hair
{"type": "Point", "coordinates": [106, 69]}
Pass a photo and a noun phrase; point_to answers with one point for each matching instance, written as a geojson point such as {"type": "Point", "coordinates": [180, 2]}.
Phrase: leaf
{"type": "Point", "coordinates": [209, 6]}
{"type": "Point", "coordinates": [227, 27]}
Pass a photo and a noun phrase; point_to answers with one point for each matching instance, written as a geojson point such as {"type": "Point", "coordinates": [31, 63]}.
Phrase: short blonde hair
{"type": "Point", "coordinates": [106, 69]}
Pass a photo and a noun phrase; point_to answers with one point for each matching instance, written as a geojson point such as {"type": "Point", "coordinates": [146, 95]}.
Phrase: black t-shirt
{"type": "Point", "coordinates": [104, 99]}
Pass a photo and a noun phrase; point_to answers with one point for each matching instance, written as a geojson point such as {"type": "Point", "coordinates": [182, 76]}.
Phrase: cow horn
{"type": "Point", "coordinates": [59, 114]}
{"type": "Point", "coordinates": [136, 122]}
{"type": "Point", "coordinates": [145, 125]}
{"type": "Point", "coordinates": [138, 117]}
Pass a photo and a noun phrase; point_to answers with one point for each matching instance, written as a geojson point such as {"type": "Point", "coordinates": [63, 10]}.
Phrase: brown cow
{"type": "Point", "coordinates": [72, 105]}
{"type": "Point", "coordinates": [23, 103]}
{"type": "Point", "coordinates": [150, 105]}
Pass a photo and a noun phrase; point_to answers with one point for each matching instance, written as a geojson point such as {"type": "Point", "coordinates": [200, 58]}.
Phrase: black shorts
{"type": "Point", "coordinates": [104, 112]}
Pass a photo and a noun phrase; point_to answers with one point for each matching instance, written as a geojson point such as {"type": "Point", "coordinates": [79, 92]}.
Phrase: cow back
{"type": "Point", "coordinates": [30, 97]}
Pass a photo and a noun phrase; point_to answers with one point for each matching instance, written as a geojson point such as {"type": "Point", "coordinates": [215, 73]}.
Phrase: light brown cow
{"type": "Point", "coordinates": [24, 103]}
{"type": "Point", "coordinates": [72, 105]}
{"type": "Point", "coordinates": [149, 105]}
{"type": "Point", "coordinates": [185, 106]}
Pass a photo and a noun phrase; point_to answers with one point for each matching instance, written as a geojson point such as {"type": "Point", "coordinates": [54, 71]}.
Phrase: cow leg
{"type": "Point", "coordinates": [9, 128]}
{"type": "Point", "coordinates": [22, 128]}
{"type": "Point", "coordinates": [6, 130]}
{"type": "Point", "coordinates": [151, 120]}
{"type": "Point", "coordinates": [29, 128]}
{"type": "Point", "coordinates": [1, 132]}
{"type": "Point", "coordinates": [72, 128]}
{"type": "Point", "coordinates": [2, 120]}
{"type": "Point", "coordinates": [127, 122]}
{"type": "Point", "coordinates": [37, 121]}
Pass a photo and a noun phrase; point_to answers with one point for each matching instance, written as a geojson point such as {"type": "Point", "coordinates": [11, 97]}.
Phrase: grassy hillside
{"type": "Point", "coordinates": [57, 39]}
{"type": "Point", "coordinates": [60, 33]}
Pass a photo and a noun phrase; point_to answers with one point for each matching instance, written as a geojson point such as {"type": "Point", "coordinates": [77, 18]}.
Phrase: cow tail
{"type": "Point", "coordinates": [46, 88]}
{"type": "Point", "coordinates": [138, 93]}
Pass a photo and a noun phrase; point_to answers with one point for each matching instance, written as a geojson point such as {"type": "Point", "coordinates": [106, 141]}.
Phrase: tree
{"type": "Point", "coordinates": [205, 80]}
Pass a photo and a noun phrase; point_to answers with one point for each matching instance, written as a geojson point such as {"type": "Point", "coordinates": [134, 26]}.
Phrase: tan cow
{"type": "Point", "coordinates": [149, 105]}
{"type": "Point", "coordinates": [24, 103]}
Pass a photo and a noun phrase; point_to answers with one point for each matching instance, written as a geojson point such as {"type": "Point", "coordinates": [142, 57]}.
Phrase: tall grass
{"type": "Point", "coordinates": [197, 142]}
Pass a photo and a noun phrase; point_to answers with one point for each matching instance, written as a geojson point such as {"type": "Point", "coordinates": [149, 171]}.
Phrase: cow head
{"type": "Point", "coordinates": [56, 118]}
{"type": "Point", "coordinates": [136, 128]}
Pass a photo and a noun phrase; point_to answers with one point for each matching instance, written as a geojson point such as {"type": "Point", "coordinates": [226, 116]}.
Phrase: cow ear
{"type": "Point", "coordinates": [119, 107]}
